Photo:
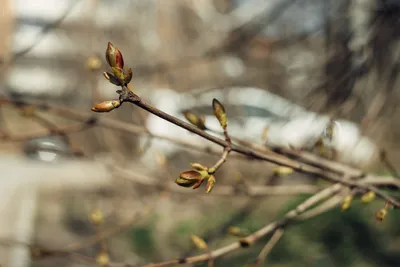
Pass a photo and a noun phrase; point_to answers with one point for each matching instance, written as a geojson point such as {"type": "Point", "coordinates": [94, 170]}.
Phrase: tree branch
{"type": "Point", "coordinates": [128, 96]}
{"type": "Point", "coordinates": [249, 240]}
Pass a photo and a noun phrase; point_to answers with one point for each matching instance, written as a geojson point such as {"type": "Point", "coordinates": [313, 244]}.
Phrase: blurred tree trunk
{"type": "Point", "coordinates": [6, 22]}
{"type": "Point", "coordinates": [360, 82]}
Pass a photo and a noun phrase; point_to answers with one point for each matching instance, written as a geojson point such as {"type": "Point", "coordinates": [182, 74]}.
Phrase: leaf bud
{"type": "Point", "coordinates": [199, 167]}
{"type": "Point", "coordinates": [199, 242]}
{"type": "Point", "coordinates": [381, 214]}
{"type": "Point", "coordinates": [283, 170]}
{"type": "Point", "coordinates": [346, 202]}
{"type": "Point", "coordinates": [368, 197]}
{"type": "Point", "coordinates": [210, 183]}
{"type": "Point", "coordinates": [114, 57]}
{"type": "Point", "coordinates": [96, 217]}
{"type": "Point", "coordinates": [112, 79]}
{"type": "Point", "coordinates": [128, 76]}
{"type": "Point", "coordinates": [220, 113]}
{"type": "Point", "coordinates": [106, 106]}
{"type": "Point", "coordinates": [189, 178]}
{"type": "Point", "coordinates": [119, 74]}
{"type": "Point", "coordinates": [102, 258]}
{"type": "Point", "coordinates": [198, 121]}
{"type": "Point", "coordinates": [236, 231]}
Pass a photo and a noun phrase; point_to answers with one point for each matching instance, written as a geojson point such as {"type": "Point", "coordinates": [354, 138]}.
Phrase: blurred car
{"type": "Point", "coordinates": [250, 111]}
{"type": "Point", "coordinates": [46, 148]}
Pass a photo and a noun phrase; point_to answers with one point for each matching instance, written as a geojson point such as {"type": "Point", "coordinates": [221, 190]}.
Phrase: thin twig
{"type": "Point", "coordinates": [269, 246]}
{"type": "Point", "coordinates": [227, 150]}
{"type": "Point", "coordinates": [211, 258]}
{"type": "Point", "coordinates": [327, 205]}
{"type": "Point", "coordinates": [243, 212]}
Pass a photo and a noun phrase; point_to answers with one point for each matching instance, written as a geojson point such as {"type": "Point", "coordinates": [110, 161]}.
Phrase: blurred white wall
{"type": "Point", "coordinates": [21, 180]}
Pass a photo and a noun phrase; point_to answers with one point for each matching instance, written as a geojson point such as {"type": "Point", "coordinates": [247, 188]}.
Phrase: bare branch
{"type": "Point", "coordinates": [269, 246]}
{"type": "Point", "coordinates": [249, 240]}
{"type": "Point", "coordinates": [128, 96]}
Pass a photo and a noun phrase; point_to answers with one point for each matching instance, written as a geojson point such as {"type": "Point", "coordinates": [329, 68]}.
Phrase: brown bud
{"type": "Point", "coordinates": [112, 79]}
{"type": "Point", "coordinates": [189, 178]}
{"type": "Point", "coordinates": [210, 183]}
{"type": "Point", "coordinates": [114, 57]}
{"type": "Point", "coordinates": [198, 166]}
{"type": "Point", "coordinates": [199, 242]}
{"type": "Point", "coordinates": [190, 175]}
{"type": "Point", "coordinates": [106, 106]}
{"type": "Point", "coordinates": [220, 113]}
{"type": "Point", "coordinates": [128, 76]}
{"type": "Point", "coordinates": [196, 120]}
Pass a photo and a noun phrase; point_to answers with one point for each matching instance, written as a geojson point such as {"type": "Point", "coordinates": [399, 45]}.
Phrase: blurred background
{"type": "Point", "coordinates": [282, 68]}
